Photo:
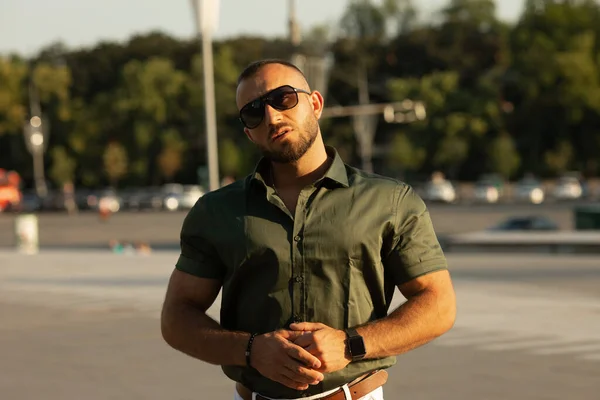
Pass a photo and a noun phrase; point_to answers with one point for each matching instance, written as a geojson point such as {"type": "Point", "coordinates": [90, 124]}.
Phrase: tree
{"type": "Point", "coordinates": [115, 162]}
{"type": "Point", "coordinates": [53, 83]}
{"type": "Point", "coordinates": [364, 20]}
{"type": "Point", "coordinates": [503, 156]}
{"type": "Point", "coordinates": [63, 166]}
{"type": "Point", "coordinates": [553, 82]}
{"type": "Point", "coordinates": [457, 118]}
{"type": "Point", "coordinates": [170, 158]}
{"type": "Point", "coordinates": [401, 15]}
{"type": "Point", "coordinates": [12, 99]}
{"type": "Point", "coordinates": [230, 158]}
{"type": "Point", "coordinates": [149, 101]}
{"type": "Point", "coordinates": [559, 159]}
{"type": "Point", "coordinates": [403, 155]}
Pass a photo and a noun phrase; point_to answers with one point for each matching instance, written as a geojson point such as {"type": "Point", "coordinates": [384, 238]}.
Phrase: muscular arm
{"type": "Point", "coordinates": [186, 327]}
{"type": "Point", "coordinates": [429, 312]}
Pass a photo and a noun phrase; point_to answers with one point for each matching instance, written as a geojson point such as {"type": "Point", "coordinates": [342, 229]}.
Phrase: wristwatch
{"type": "Point", "coordinates": [355, 344]}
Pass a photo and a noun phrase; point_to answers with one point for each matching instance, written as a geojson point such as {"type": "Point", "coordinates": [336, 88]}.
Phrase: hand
{"type": "Point", "coordinates": [324, 342]}
{"type": "Point", "coordinates": [276, 357]}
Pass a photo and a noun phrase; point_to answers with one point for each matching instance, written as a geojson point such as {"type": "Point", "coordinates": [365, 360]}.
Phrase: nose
{"type": "Point", "coordinates": [272, 115]}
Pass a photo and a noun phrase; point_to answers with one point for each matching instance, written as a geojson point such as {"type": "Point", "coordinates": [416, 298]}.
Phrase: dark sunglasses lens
{"type": "Point", "coordinates": [252, 114]}
{"type": "Point", "coordinates": [283, 98]}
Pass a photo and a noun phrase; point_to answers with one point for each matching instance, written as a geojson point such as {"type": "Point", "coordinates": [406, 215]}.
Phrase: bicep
{"type": "Point", "coordinates": [438, 282]}
{"type": "Point", "coordinates": [415, 249]}
{"type": "Point", "coordinates": [193, 290]}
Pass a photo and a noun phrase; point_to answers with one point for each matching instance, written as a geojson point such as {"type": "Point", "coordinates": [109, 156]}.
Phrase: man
{"type": "Point", "coordinates": [308, 252]}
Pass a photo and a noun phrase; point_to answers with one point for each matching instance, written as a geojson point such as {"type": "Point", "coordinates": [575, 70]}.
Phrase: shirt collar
{"type": "Point", "coordinates": [336, 172]}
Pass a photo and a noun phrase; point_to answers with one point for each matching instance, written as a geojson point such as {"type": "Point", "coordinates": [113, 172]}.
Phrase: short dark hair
{"type": "Point", "coordinates": [256, 66]}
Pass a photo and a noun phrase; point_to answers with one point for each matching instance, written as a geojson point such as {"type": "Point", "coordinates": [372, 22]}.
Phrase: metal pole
{"type": "Point", "coordinates": [38, 173]}
{"type": "Point", "coordinates": [364, 125]}
{"type": "Point", "coordinates": [205, 13]}
{"type": "Point", "coordinates": [37, 138]}
{"type": "Point", "coordinates": [211, 119]}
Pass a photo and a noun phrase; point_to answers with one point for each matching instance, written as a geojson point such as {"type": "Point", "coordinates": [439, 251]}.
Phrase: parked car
{"type": "Point", "coordinates": [526, 223]}
{"type": "Point", "coordinates": [530, 190]}
{"type": "Point", "coordinates": [486, 192]}
{"type": "Point", "coordinates": [568, 188]}
{"type": "Point", "coordinates": [439, 191]}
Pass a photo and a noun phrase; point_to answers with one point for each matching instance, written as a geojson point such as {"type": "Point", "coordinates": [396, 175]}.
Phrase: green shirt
{"type": "Point", "coordinates": [354, 237]}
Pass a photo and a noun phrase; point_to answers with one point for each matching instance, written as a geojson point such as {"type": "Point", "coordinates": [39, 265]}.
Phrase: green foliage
{"type": "Point", "coordinates": [499, 98]}
{"type": "Point", "coordinates": [12, 100]}
{"type": "Point", "coordinates": [115, 162]}
{"type": "Point", "coordinates": [503, 156]}
{"type": "Point", "coordinates": [230, 158]}
{"type": "Point", "coordinates": [170, 159]}
{"type": "Point", "coordinates": [63, 167]}
{"type": "Point", "coordinates": [404, 155]}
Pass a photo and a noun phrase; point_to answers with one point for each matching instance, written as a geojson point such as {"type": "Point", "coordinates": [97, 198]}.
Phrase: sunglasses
{"type": "Point", "coordinates": [282, 98]}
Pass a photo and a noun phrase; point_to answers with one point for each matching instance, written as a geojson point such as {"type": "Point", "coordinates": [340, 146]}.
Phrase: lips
{"type": "Point", "coordinates": [280, 134]}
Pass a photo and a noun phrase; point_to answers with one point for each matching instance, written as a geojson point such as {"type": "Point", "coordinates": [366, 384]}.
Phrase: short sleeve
{"type": "Point", "coordinates": [199, 256]}
{"type": "Point", "coordinates": [415, 248]}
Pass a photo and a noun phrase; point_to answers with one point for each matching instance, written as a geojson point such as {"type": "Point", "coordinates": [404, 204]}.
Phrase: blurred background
{"type": "Point", "coordinates": [115, 117]}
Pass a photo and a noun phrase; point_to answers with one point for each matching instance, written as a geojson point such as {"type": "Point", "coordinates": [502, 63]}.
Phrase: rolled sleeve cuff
{"type": "Point", "coordinates": [421, 269]}
{"type": "Point", "coordinates": [197, 268]}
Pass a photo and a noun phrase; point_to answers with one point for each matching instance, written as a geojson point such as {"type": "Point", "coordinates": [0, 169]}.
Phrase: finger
{"type": "Point", "coordinates": [304, 340]}
{"type": "Point", "coordinates": [300, 373]}
{"type": "Point", "coordinates": [303, 356]}
{"type": "Point", "coordinates": [292, 335]}
{"type": "Point", "coordinates": [284, 380]}
{"type": "Point", "coordinates": [307, 326]}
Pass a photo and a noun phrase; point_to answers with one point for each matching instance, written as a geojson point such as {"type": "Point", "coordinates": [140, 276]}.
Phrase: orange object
{"type": "Point", "coordinates": [10, 195]}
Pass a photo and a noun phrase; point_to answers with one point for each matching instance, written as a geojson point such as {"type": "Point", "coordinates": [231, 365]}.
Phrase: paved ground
{"type": "Point", "coordinates": [162, 229]}
{"type": "Point", "coordinates": [85, 325]}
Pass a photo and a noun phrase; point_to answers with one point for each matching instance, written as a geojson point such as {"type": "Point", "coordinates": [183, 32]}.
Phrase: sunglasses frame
{"type": "Point", "coordinates": [264, 100]}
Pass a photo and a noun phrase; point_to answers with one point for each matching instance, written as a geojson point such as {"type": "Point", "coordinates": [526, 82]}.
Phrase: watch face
{"type": "Point", "coordinates": [357, 347]}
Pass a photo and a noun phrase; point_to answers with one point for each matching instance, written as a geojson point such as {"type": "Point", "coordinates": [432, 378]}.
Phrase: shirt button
{"type": "Point", "coordinates": [297, 238]}
{"type": "Point", "coordinates": [298, 279]}
{"type": "Point", "coordinates": [297, 318]}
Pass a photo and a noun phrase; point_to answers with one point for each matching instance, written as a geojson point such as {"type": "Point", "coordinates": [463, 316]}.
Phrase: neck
{"type": "Point", "coordinates": [298, 174]}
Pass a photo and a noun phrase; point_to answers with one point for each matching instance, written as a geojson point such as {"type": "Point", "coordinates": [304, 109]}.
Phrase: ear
{"type": "Point", "coordinates": [317, 102]}
{"type": "Point", "coordinates": [248, 134]}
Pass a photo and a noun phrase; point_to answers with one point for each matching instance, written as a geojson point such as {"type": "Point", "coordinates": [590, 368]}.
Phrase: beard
{"type": "Point", "coordinates": [292, 150]}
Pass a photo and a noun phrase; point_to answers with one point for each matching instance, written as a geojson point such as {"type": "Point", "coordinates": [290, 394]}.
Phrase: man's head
{"type": "Point", "coordinates": [278, 109]}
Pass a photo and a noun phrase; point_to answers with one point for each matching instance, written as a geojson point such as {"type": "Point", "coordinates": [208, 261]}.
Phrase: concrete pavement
{"type": "Point", "coordinates": [85, 325]}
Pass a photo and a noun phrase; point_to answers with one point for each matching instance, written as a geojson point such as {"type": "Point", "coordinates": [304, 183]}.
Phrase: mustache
{"type": "Point", "coordinates": [273, 129]}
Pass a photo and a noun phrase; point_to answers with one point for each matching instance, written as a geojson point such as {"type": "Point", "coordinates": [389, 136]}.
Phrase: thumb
{"type": "Point", "coordinates": [292, 335]}
{"type": "Point", "coordinates": [307, 326]}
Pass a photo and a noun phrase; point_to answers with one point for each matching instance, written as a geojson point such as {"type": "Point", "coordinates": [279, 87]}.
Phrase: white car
{"type": "Point", "coordinates": [440, 191]}
{"type": "Point", "coordinates": [567, 188]}
{"type": "Point", "coordinates": [530, 190]}
{"type": "Point", "coordinates": [486, 193]}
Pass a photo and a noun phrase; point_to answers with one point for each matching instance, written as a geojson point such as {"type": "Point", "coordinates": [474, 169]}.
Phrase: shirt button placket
{"type": "Point", "coordinates": [298, 270]}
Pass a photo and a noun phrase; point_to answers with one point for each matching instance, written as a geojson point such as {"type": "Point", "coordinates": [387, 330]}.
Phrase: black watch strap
{"type": "Point", "coordinates": [351, 332]}
{"type": "Point", "coordinates": [355, 344]}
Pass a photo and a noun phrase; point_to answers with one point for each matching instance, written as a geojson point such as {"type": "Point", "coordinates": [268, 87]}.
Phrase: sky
{"type": "Point", "coordinates": [26, 26]}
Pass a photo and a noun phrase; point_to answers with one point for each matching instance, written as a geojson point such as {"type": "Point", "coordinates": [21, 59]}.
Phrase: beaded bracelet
{"type": "Point", "coordinates": [249, 348]}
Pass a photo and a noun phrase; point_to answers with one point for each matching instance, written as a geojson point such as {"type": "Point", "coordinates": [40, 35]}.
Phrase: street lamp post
{"type": "Point", "coordinates": [206, 17]}
{"type": "Point", "coordinates": [36, 135]}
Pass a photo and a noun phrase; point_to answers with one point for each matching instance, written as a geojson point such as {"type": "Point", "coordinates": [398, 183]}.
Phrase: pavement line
{"type": "Point", "coordinates": [520, 345]}
{"type": "Point", "coordinates": [568, 349]}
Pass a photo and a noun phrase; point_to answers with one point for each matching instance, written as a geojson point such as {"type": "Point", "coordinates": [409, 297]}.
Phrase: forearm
{"type": "Point", "coordinates": [419, 320]}
{"type": "Point", "coordinates": [191, 331]}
